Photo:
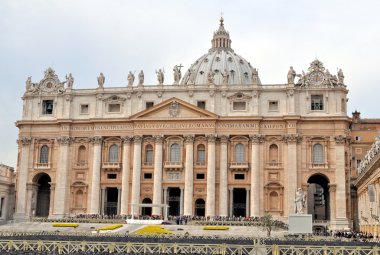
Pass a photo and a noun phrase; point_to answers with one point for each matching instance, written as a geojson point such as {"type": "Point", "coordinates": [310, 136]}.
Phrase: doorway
{"type": "Point", "coordinates": [112, 195]}
{"type": "Point", "coordinates": [174, 201]}
{"type": "Point", "coordinates": [146, 211]}
{"type": "Point", "coordinates": [318, 199]}
{"type": "Point", "coordinates": [200, 207]}
{"type": "Point", "coordinates": [239, 202]}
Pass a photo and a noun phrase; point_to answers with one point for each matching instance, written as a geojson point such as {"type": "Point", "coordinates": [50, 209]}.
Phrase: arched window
{"type": "Point", "coordinates": [149, 154]}
{"type": "Point", "coordinates": [318, 157]}
{"type": "Point", "coordinates": [44, 154]}
{"type": "Point", "coordinates": [239, 153]}
{"type": "Point", "coordinates": [273, 153]}
{"type": "Point", "coordinates": [175, 155]}
{"type": "Point", "coordinates": [114, 153]}
{"type": "Point", "coordinates": [79, 199]}
{"type": "Point", "coordinates": [201, 154]}
{"type": "Point", "coordinates": [82, 155]}
{"type": "Point", "coordinates": [273, 201]}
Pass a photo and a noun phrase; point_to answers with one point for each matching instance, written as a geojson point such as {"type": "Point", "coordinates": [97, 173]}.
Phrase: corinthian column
{"type": "Point", "coordinates": [256, 194]}
{"type": "Point", "coordinates": [157, 180]}
{"type": "Point", "coordinates": [188, 199]}
{"type": "Point", "coordinates": [125, 175]}
{"type": "Point", "coordinates": [61, 195]}
{"type": "Point", "coordinates": [24, 142]}
{"type": "Point", "coordinates": [340, 177]}
{"type": "Point", "coordinates": [210, 196]}
{"type": "Point", "coordinates": [95, 182]}
{"type": "Point", "coordinates": [136, 173]}
{"type": "Point", "coordinates": [292, 181]}
{"type": "Point", "coordinates": [223, 187]}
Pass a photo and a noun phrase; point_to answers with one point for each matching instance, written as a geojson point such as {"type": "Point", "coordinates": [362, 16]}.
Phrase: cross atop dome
{"type": "Point", "coordinates": [221, 38]}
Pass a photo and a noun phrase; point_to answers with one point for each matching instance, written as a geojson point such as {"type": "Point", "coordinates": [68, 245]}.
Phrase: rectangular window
{"type": "Point", "coordinates": [201, 104]}
{"type": "Point", "coordinates": [149, 105]}
{"type": "Point", "coordinates": [200, 176]}
{"type": "Point", "coordinates": [47, 107]}
{"type": "Point", "coordinates": [358, 161]}
{"type": "Point", "coordinates": [343, 105]}
{"type": "Point", "coordinates": [114, 108]}
{"type": "Point", "coordinates": [84, 108]}
{"type": "Point", "coordinates": [316, 102]}
{"type": "Point", "coordinates": [239, 106]}
{"type": "Point", "coordinates": [358, 138]}
{"type": "Point", "coordinates": [239, 176]}
{"type": "Point", "coordinates": [273, 106]}
{"type": "Point", "coordinates": [148, 175]}
{"type": "Point", "coordinates": [111, 176]}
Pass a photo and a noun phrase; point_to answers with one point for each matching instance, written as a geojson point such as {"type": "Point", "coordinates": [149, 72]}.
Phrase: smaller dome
{"type": "Point", "coordinates": [220, 62]}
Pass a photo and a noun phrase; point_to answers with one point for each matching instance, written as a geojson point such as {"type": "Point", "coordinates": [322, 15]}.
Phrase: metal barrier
{"type": "Point", "coordinates": [73, 247]}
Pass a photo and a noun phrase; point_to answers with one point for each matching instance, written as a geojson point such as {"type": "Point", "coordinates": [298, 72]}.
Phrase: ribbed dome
{"type": "Point", "coordinates": [219, 62]}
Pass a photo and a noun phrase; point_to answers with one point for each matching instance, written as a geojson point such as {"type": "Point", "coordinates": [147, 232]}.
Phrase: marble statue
{"type": "Point", "coordinates": [302, 79]}
{"type": "Point", "coordinates": [131, 78]}
{"type": "Point", "coordinates": [70, 80]}
{"type": "Point", "coordinates": [210, 77]}
{"type": "Point", "coordinates": [300, 201]}
{"type": "Point", "coordinates": [191, 76]}
{"type": "Point", "coordinates": [255, 76]}
{"type": "Point", "coordinates": [291, 75]}
{"type": "Point", "coordinates": [340, 76]}
{"type": "Point", "coordinates": [141, 78]}
{"type": "Point", "coordinates": [226, 77]}
{"type": "Point", "coordinates": [160, 76]}
{"type": "Point", "coordinates": [177, 74]}
{"type": "Point", "coordinates": [101, 80]}
{"type": "Point", "coordinates": [29, 84]}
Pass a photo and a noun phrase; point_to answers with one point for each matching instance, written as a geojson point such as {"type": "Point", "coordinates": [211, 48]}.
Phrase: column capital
{"type": "Point", "coordinates": [189, 138]}
{"type": "Point", "coordinates": [257, 138]}
{"type": "Point", "coordinates": [292, 138]}
{"type": "Point", "coordinates": [332, 187]}
{"type": "Point", "coordinates": [211, 138]}
{"type": "Point", "coordinates": [137, 138]}
{"type": "Point", "coordinates": [65, 140]}
{"type": "Point", "coordinates": [158, 138]}
{"type": "Point", "coordinates": [224, 138]}
{"type": "Point", "coordinates": [25, 141]}
{"type": "Point", "coordinates": [96, 139]}
{"type": "Point", "coordinates": [340, 139]}
{"type": "Point", "coordinates": [126, 139]}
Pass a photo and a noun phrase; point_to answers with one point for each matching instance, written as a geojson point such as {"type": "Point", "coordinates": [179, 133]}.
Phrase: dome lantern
{"type": "Point", "coordinates": [221, 38]}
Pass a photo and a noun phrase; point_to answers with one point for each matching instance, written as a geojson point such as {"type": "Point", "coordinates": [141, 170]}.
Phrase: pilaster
{"type": "Point", "coordinates": [189, 165]}
{"type": "Point", "coordinates": [157, 179]}
{"type": "Point", "coordinates": [256, 189]}
{"type": "Point", "coordinates": [210, 196]}
{"type": "Point", "coordinates": [125, 175]}
{"type": "Point", "coordinates": [136, 175]}
{"type": "Point", "coordinates": [95, 182]}
{"type": "Point", "coordinates": [223, 184]}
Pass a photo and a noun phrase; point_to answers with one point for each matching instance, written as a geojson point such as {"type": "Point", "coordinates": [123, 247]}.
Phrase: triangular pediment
{"type": "Point", "coordinates": [174, 108]}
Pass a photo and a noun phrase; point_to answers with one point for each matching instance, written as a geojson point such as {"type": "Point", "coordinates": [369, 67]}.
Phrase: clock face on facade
{"type": "Point", "coordinates": [48, 85]}
{"type": "Point", "coordinates": [316, 78]}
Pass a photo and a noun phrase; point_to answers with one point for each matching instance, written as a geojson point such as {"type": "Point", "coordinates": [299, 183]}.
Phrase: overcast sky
{"type": "Point", "coordinates": [114, 36]}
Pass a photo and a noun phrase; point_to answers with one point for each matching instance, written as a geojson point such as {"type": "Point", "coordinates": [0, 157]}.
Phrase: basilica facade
{"type": "Point", "coordinates": [215, 142]}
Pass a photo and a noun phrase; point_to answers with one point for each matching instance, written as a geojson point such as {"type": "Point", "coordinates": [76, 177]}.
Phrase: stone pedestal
{"type": "Point", "coordinates": [300, 224]}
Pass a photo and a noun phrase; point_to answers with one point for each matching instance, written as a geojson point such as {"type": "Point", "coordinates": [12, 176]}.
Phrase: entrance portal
{"type": "Point", "coordinates": [199, 207]}
{"type": "Point", "coordinates": [174, 201]}
{"type": "Point", "coordinates": [318, 201]}
{"type": "Point", "coordinates": [239, 202]}
{"type": "Point", "coordinates": [112, 199]}
{"type": "Point", "coordinates": [43, 196]}
{"type": "Point", "coordinates": [146, 211]}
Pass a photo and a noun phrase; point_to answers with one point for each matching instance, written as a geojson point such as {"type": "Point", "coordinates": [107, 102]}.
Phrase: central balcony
{"type": "Point", "coordinates": [239, 166]}
{"type": "Point", "coordinates": [111, 165]}
{"type": "Point", "coordinates": [42, 165]}
{"type": "Point", "coordinates": [173, 165]}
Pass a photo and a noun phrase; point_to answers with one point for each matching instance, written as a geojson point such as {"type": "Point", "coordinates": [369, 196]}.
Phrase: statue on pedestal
{"type": "Point", "coordinates": [340, 77]}
{"type": "Point", "coordinates": [210, 77]}
{"type": "Point", "coordinates": [69, 80]}
{"type": "Point", "coordinates": [131, 78]}
{"type": "Point", "coordinates": [226, 77]}
{"type": "Point", "coordinates": [177, 74]}
{"type": "Point", "coordinates": [101, 80]}
{"type": "Point", "coordinates": [300, 201]}
{"type": "Point", "coordinates": [141, 78]}
{"type": "Point", "coordinates": [160, 76]}
{"type": "Point", "coordinates": [291, 75]}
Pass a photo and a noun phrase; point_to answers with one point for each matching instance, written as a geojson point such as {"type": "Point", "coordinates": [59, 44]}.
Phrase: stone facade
{"type": "Point", "coordinates": [217, 142]}
{"type": "Point", "coordinates": [7, 193]}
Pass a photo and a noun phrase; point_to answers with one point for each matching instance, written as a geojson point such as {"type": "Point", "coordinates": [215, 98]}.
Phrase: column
{"type": "Point", "coordinates": [165, 195]}
{"type": "Point", "coordinates": [255, 175]}
{"type": "Point", "coordinates": [291, 140]}
{"type": "Point", "coordinates": [210, 196]}
{"type": "Point", "coordinates": [189, 176]}
{"type": "Point", "coordinates": [136, 174]}
{"type": "Point", "coordinates": [102, 200]}
{"type": "Point", "coordinates": [247, 191]}
{"type": "Point", "coordinates": [157, 179]}
{"type": "Point", "coordinates": [223, 186]}
{"type": "Point", "coordinates": [118, 200]}
{"type": "Point", "coordinates": [340, 177]}
{"type": "Point", "coordinates": [62, 186]}
{"type": "Point", "coordinates": [95, 182]}
{"type": "Point", "coordinates": [231, 190]}
{"type": "Point", "coordinates": [181, 202]}
{"type": "Point", "coordinates": [332, 198]}
{"type": "Point", "coordinates": [24, 142]}
{"type": "Point", "coordinates": [125, 175]}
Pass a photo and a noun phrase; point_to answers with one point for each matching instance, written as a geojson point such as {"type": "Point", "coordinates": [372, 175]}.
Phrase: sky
{"type": "Point", "coordinates": [117, 36]}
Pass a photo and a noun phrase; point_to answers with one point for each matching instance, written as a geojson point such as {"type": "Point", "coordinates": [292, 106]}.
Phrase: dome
{"type": "Point", "coordinates": [221, 65]}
